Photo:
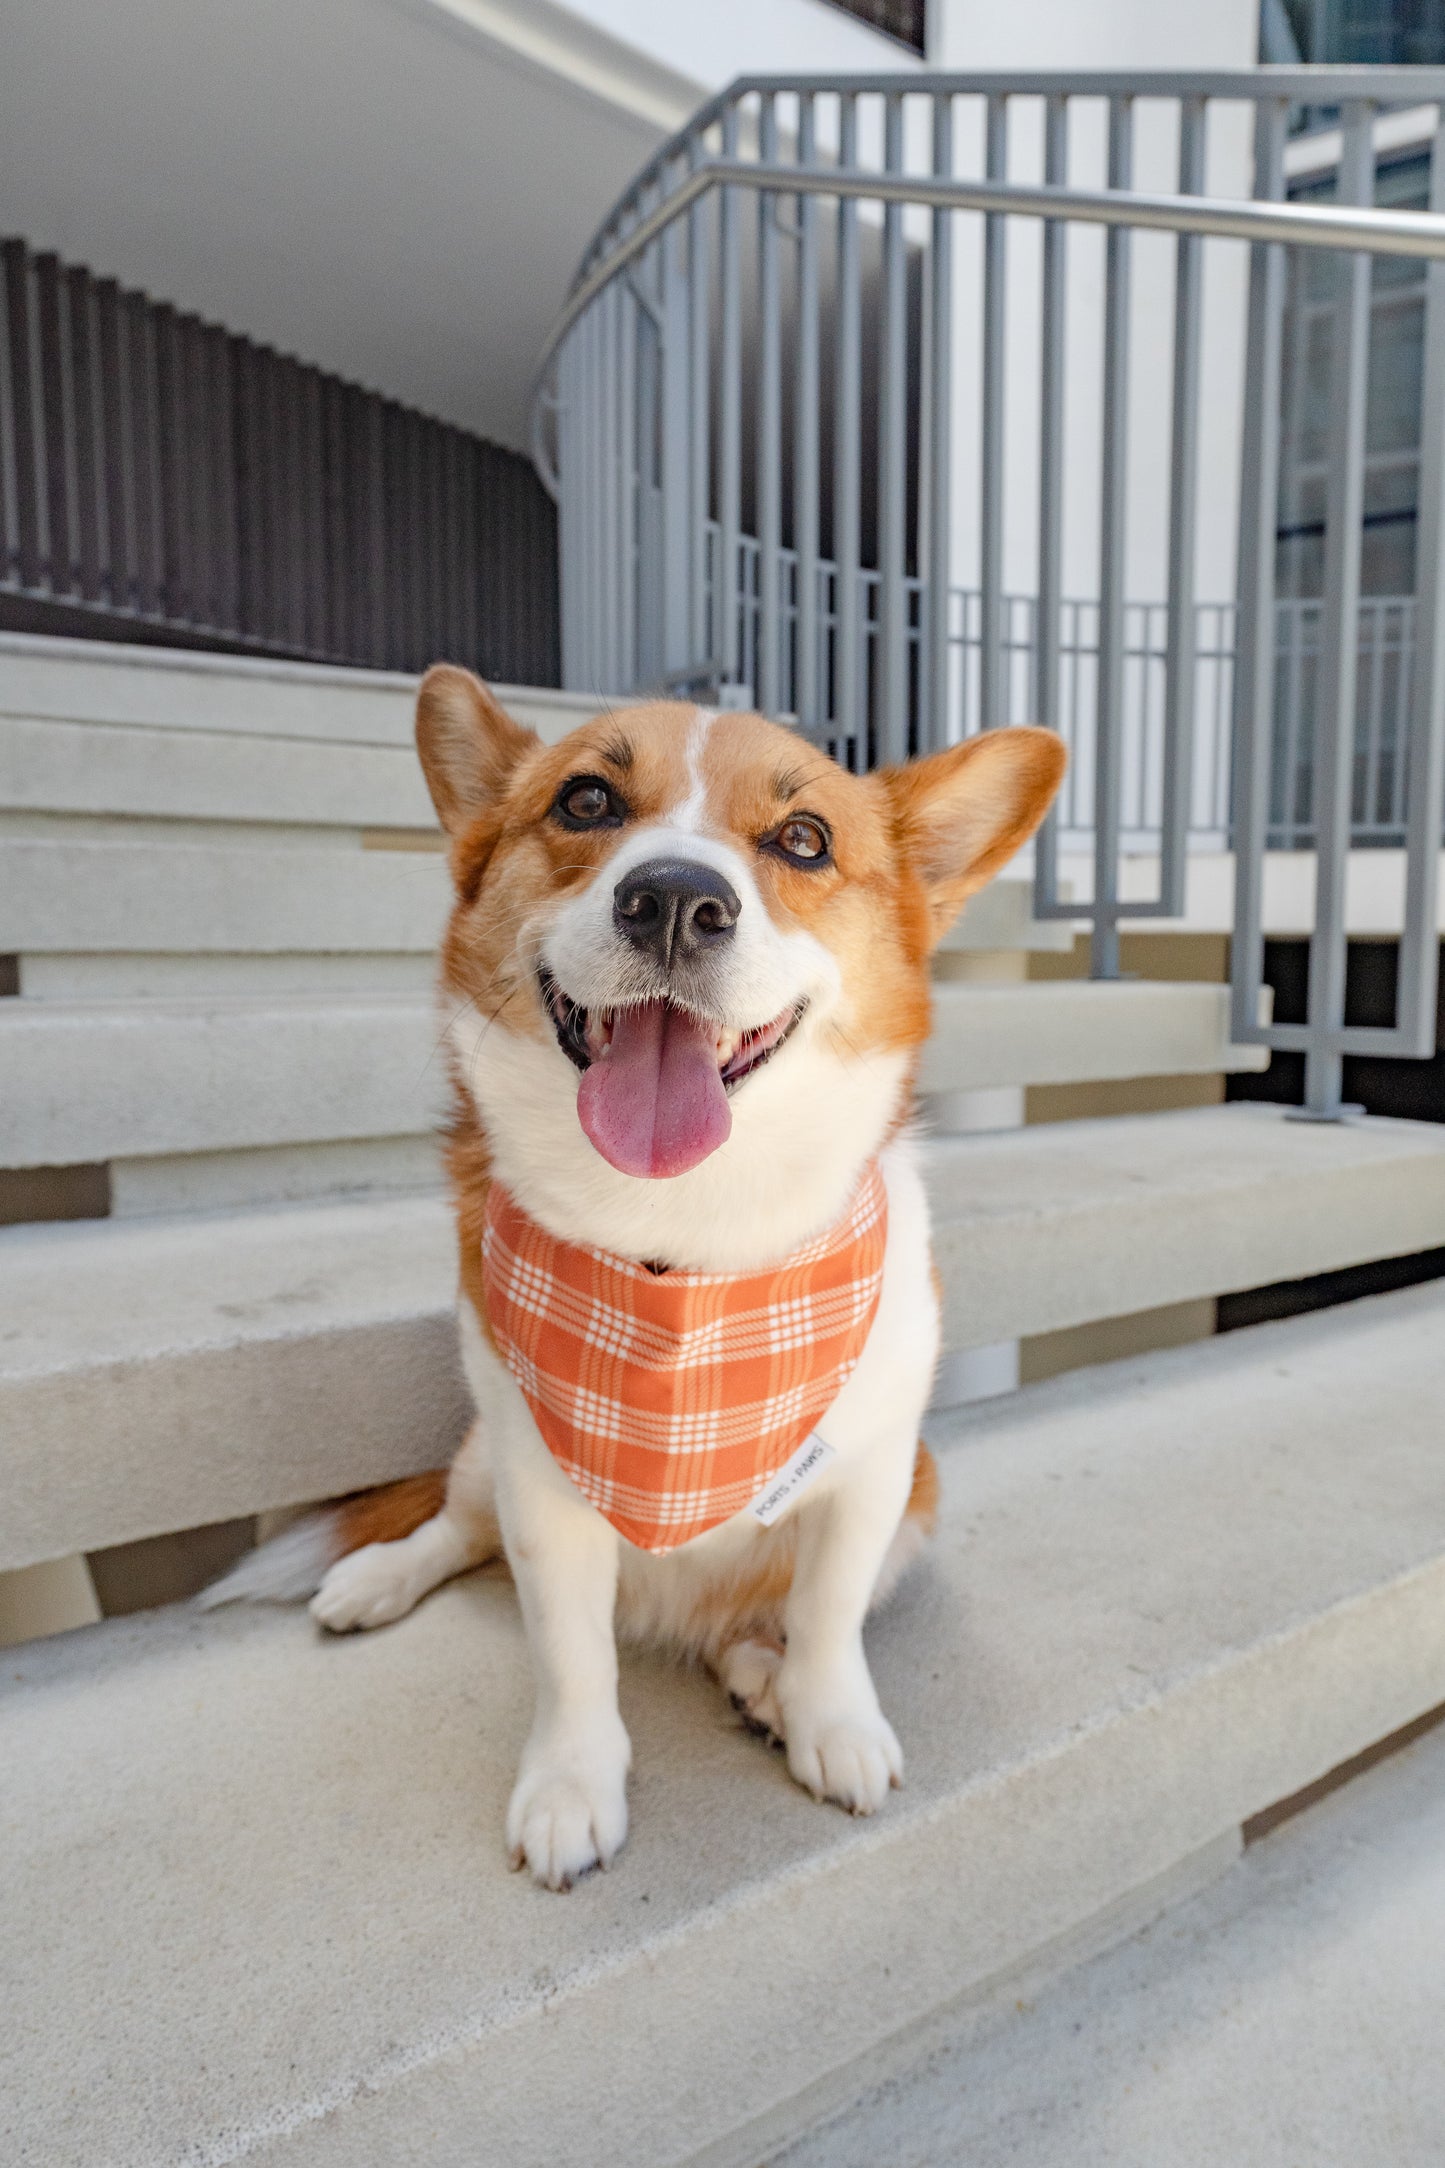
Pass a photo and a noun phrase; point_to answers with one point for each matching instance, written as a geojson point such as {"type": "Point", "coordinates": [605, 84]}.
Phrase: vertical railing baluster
{"type": "Point", "coordinates": [938, 455]}
{"type": "Point", "coordinates": [1340, 631]}
{"type": "Point", "coordinates": [891, 707]}
{"type": "Point", "coordinates": [675, 451]}
{"type": "Point", "coordinates": [149, 545]}
{"type": "Point", "coordinates": [1369, 812]}
{"type": "Point", "coordinates": [601, 585]}
{"type": "Point", "coordinates": [54, 429]}
{"type": "Point", "coordinates": [570, 566]}
{"type": "Point", "coordinates": [224, 499]}
{"type": "Point", "coordinates": [119, 483]}
{"type": "Point", "coordinates": [993, 708]}
{"type": "Point", "coordinates": [1109, 709]}
{"type": "Point", "coordinates": [1180, 657]}
{"type": "Point", "coordinates": [1048, 625]}
{"type": "Point", "coordinates": [700, 646]}
{"type": "Point", "coordinates": [19, 310]}
{"type": "Point", "coordinates": [770, 426]}
{"type": "Point", "coordinates": [650, 662]}
{"type": "Point", "coordinates": [1254, 661]}
{"type": "Point", "coordinates": [806, 427]}
{"type": "Point", "coordinates": [847, 456]}
{"type": "Point", "coordinates": [171, 465]}
{"type": "Point", "coordinates": [197, 454]}
{"type": "Point", "coordinates": [605, 310]}
{"type": "Point", "coordinates": [89, 510]}
{"type": "Point", "coordinates": [730, 424]}
{"type": "Point", "coordinates": [629, 332]}
{"type": "Point", "coordinates": [1425, 787]}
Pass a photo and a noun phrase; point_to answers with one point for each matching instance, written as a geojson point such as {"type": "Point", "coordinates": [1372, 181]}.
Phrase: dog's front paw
{"type": "Point", "coordinates": [568, 1812]}
{"type": "Point", "coordinates": [840, 1748]}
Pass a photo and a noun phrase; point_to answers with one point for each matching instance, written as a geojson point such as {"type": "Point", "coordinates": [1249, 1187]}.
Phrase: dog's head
{"type": "Point", "coordinates": [686, 944]}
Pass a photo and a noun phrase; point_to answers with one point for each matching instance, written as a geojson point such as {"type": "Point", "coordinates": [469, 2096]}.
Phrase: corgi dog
{"type": "Point", "coordinates": [687, 979]}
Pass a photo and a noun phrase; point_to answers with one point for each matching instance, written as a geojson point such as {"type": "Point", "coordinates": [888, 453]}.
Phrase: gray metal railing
{"type": "Point", "coordinates": [781, 413]}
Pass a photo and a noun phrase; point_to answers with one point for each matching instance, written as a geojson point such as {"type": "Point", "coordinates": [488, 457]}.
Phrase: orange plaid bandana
{"type": "Point", "coordinates": [673, 1399]}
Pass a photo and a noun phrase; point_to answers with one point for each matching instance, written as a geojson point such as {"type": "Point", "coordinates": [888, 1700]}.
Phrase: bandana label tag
{"type": "Point", "coordinates": [811, 1458]}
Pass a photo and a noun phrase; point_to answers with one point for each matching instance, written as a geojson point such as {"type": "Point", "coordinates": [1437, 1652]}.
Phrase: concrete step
{"type": "Point", "coordinates": [1290, 2012]}
{"type": "Point", "coordinates": [84, 1083]}
{"type": "Point", "coordinates": [78, 772]}
{"type": "Point", "coordinates": [76, 898]}
{"type": "Point", "coordinates": [1067, 1031]}
{"type": "Point", "coordinates": [100, 731]}
{"type": "Point", "coordinates": [1058, 1225]}
{"type": "Point", "coordinates": [185, 689]}
{"type": "Point", "coordinates": [310, 1346]}
{"type": "Point", "coordinates": [1163, 1597]}
{"type": "Point", "coordinates": [163, 1374]}
{"type": "Point", "coordinates": [87, 1082]}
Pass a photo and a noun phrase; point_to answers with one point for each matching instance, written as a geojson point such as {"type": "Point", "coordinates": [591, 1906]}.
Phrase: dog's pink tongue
{"type": "Point", "coordinates": [654, 1103]}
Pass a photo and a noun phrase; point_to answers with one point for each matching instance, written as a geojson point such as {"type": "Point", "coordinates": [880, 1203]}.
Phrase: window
{"type": "Point", "coordinates": [1392, 439]}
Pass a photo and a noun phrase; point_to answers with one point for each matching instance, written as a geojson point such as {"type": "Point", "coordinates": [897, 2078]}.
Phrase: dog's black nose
{"type": "Point", "coordinates": [674, 907]}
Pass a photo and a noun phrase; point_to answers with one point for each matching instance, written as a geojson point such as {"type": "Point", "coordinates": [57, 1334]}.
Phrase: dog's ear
{"type": "Point", "coordinates": [961, 814]}
{"type": "Point", "coordinates": [468, 744]}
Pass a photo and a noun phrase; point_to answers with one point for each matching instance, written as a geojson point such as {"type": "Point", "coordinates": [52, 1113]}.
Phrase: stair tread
{"type": "Point", "coordinates": [1289, 2013]}
{"type": "Point", "coordinates": [89, 1294]}
{"type": "Point", "coordinates": [256, 1882]}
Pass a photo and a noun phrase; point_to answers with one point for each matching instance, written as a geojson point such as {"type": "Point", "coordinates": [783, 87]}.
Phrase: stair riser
{"type": "Point", "coordinates": [108, 770]}
{"type": "Point", "coordinates": [93, 900]}
{"type": "Point", "coordinates": [134, 1084]}
{"type": "Point", "coordinates": [1058, 1033]}
{"type": "Point", "coordinates": [128, 1450]}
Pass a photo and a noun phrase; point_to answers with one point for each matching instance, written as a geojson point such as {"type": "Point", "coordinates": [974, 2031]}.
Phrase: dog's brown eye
{"type": "Point", "coordinates": [803, 840]}
{"type": "Point", "coordinates": [585, 801]}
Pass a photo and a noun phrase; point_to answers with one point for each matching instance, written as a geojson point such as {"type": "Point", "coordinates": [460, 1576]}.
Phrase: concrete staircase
{"type": "Point", "coordinates": [253, 1883]}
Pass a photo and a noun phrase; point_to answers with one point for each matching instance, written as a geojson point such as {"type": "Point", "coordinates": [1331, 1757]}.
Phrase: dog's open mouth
{"type": "Point", "coordinates": [656, 1078]}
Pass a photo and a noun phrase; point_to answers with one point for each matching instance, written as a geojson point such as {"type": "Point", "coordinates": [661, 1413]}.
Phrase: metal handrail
{"type": "Point", "coordinates": [654, 404]}
{"type": "Point", "coordinates": [1416, 234]}
{"type": "Point", "coordinates": [1321, 86]}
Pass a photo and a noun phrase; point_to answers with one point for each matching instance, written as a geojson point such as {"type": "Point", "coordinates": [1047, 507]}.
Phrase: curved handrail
{"type": "Point", "coordinates": [1314, 86]}
{"type": "Point", "coordinates": [1417, 234]}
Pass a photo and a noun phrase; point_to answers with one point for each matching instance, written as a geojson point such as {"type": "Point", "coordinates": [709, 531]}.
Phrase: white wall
{"type": "Point", "coordinates": [397, 190]}
{"type": "Point", "coordinates": [711, 41]}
